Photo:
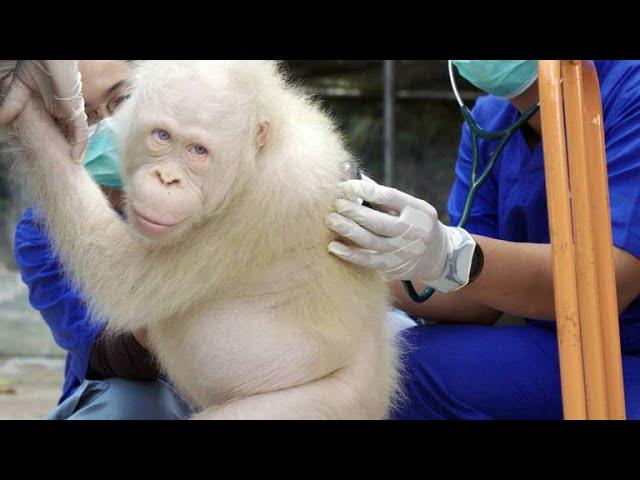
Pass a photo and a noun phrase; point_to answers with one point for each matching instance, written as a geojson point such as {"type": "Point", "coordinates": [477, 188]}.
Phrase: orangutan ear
{"type": "Point", "coordinates": [263, 134]}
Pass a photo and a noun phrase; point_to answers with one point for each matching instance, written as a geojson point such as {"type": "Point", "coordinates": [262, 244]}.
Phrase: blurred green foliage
{"type": "Point", "coordinates": [427, 128]}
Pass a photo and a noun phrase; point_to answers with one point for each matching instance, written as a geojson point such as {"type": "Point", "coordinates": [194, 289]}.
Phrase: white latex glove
{"type": "Point", "coordinates": [58, 84]}
{"type": "Point", "coordinates": [403, 238]}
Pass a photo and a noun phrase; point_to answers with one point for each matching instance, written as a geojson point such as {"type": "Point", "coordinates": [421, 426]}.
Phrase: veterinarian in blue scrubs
{"type": "Point", "coordinates": [458, 365]}
{"type": "Point", "coordinates": [106, 377]}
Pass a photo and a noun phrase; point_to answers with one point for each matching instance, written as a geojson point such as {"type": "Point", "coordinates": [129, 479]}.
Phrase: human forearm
{"type": "Point", "coordinates": [449, 308]}
{"type": "Point", "coordinates": [516, 278]}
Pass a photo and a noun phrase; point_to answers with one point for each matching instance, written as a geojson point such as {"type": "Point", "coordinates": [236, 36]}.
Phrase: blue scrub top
{"type": "Point", "coordinates": [51, 293]}
{"type": "Point", "coordinates": [512, 205]}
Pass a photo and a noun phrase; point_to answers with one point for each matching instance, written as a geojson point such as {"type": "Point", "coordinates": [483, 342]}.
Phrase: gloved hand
{"type": "Point", "coordinates": [58, 84]}
{"type": "Point", "coordinates": [402, 238]}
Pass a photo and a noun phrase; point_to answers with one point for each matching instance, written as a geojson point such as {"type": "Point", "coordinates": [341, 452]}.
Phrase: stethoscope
{"type": "Point", "coordinates": [476, 180]}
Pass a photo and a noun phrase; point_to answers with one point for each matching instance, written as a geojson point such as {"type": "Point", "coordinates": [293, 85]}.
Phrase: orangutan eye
{"type": "Point", "coordinates": [161, 135]}
{"type": "Point", "coordinates": [198, 150]}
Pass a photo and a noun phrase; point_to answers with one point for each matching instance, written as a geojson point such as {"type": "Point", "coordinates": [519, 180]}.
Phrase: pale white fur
{"type": "Point", "coordinates": [248, 314]}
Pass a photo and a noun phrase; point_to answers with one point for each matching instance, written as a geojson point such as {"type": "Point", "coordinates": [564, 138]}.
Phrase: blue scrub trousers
{"type": "Point", "coordinates": [469, 372]}
{"type": "Point", "coordinates": [118, 399]}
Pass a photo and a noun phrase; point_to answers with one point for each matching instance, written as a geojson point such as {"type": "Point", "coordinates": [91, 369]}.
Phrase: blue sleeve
{"type": "Point", "coordinates": [52, 294]}
{"type": "Point", "coordinates": [484, 213]}
{"type": "Point", "coordinates": [622, 136]}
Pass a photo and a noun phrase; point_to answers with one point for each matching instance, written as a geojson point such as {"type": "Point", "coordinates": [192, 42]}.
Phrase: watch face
{"type": "Point", "coordinates": [477, 262]}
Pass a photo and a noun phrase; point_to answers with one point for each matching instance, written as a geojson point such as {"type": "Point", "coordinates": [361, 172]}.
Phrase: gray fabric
{"type": "Point", "coordinates": [118, 399]}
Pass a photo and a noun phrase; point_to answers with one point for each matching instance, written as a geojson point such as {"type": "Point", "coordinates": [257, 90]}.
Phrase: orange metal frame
{"type": "Point", "coordinates": [583, 268]}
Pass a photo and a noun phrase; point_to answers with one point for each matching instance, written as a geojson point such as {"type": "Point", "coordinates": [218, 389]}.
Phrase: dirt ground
{"type": "Point", "coordinates": [31, 364]}
{"type": "Point", "coordinates": [29, 386]}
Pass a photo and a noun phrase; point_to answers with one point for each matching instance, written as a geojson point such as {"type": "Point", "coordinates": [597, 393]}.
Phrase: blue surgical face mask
{"type": "Point", "coordinates": [502, 78]}
{"type": "Point", "coordinates": [102, 160]}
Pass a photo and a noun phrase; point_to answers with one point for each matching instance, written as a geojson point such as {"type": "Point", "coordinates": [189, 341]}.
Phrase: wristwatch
{"type": "Point", "coordinates": [457, 269]}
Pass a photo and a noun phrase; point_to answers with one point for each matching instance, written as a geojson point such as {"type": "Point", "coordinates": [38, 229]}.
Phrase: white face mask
{"type": "Point", "coordinates": [102, 159]}
{"type": "Point", "coordinates": [503, 78]}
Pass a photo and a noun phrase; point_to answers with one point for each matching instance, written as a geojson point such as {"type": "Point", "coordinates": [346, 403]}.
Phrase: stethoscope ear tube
{"type": "Point", "coordinates": [476, 181]}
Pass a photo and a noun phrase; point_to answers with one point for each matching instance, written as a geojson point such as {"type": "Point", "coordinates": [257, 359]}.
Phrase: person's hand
{"type": "Point", "coordinates": [402, 238]}
{"type": "Point", "coordinates": [58, 85]}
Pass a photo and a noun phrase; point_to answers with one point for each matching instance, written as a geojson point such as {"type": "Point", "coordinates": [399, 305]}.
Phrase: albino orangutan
{"type": "Point", "coordinates": [229, 173]}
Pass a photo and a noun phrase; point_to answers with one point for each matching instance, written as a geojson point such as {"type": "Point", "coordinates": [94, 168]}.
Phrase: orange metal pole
{"type": "Point", "coordinates": [562, 244]}
{"type": "Point", "coordinates": [600, 212]}
{"type": "Point", "coordinates": [585, 243]}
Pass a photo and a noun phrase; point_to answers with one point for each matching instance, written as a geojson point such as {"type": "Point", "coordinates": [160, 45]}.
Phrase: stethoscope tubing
{"type": "Point", "coordinates": [477, 133]}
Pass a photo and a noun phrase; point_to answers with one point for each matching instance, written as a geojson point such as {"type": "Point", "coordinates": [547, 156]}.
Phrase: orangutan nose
{"type": "Point", "coordinates": [167, 177]}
